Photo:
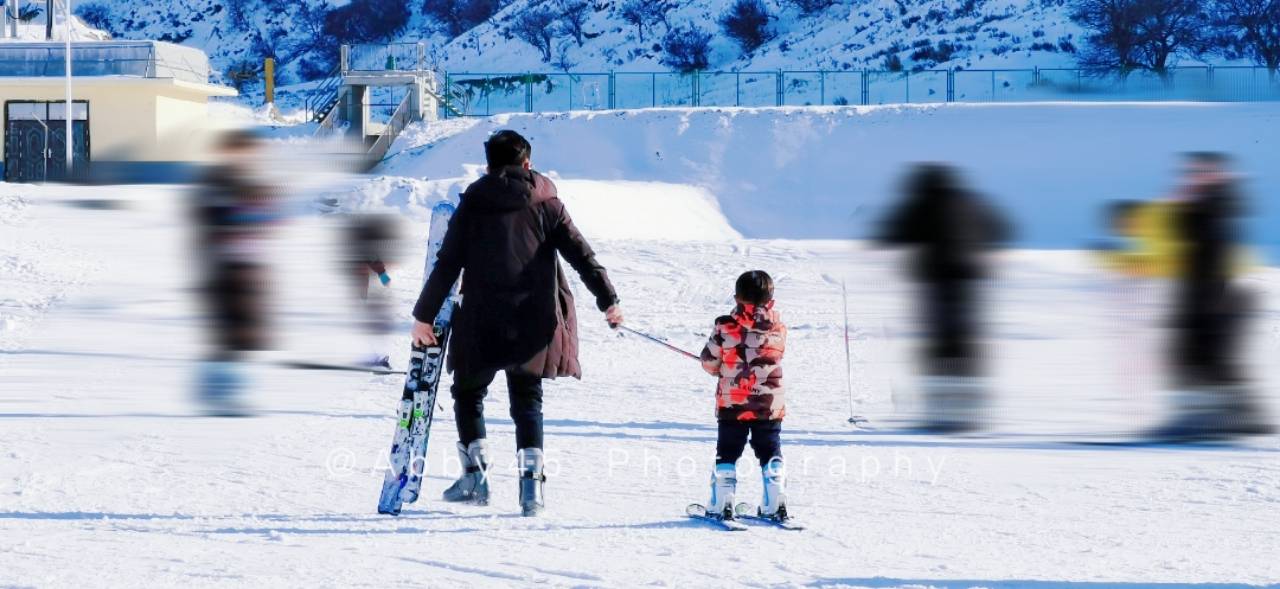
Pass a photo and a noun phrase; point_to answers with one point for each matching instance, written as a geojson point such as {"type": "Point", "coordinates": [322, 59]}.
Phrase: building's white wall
{"type": "Point", "coordinates": [129, 120]}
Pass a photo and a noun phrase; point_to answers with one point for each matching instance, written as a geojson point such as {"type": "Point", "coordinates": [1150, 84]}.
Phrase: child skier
{"type": "Point", "coordinates": [745, 352]}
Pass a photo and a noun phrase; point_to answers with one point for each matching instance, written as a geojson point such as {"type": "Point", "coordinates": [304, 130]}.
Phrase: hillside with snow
{"type": "Point", "coordinates": [972, 34]}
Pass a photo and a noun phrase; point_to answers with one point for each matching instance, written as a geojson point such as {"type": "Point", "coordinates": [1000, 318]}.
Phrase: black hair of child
{"type": "Point", "coordinates": [754, 287]}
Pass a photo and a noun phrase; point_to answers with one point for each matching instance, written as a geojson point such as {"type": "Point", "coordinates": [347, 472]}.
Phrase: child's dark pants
{"type": "Point", "coordinates": [766, 440]}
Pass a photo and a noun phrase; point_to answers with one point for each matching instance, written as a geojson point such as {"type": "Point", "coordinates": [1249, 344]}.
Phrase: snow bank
{"type": "Point", "coordinates": [827, 172]}
{"type": "Point", "coordinates": [644, 210]}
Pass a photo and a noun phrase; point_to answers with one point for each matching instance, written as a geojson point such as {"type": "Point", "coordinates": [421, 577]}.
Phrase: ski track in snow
{"type": "Point", "coordinates": [102, 463]}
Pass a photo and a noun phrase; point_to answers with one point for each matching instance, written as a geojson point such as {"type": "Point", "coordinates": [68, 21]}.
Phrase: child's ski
{"type": "Point", "coordinates": [699, 512]}
{"type": "Point", "coordinates": [417, 404]}
{"type": "Point", "coordinates": [752, 514]}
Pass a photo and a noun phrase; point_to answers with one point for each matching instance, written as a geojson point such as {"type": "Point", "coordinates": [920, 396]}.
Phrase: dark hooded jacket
{"type": "Point", "coordinates": [950, 227]}
{"type": "Point", "coordinates": [517, 308]}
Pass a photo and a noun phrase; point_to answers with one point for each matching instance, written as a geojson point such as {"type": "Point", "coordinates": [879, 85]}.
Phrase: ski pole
{"type": "Point", "coordinates": [854, 419]}
{"type": "Point", "coordinates": [848, 354]}
{"type": "Point", "coordinates": [660, 342]}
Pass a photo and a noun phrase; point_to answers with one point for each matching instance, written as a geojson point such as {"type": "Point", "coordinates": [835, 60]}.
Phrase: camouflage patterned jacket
{"type": "Point", "coordinates": [745, 351]}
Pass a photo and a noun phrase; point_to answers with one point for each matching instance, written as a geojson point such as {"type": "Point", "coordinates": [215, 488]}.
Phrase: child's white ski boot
{"type": "Point", "coordinates": [774, 505]}
{"type": "Point", "coordinates": [724, 485]}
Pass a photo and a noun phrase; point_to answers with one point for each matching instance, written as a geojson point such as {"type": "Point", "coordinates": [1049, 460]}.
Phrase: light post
{"type": "Point", "coordinates": [69, 114]}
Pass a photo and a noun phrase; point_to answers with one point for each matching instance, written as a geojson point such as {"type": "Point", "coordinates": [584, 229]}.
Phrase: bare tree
{"type": "Point", "coordinates": [1148, 35]}
{"type": "Point", "coordinates": [1252, 29]}
{"type": "Point", "coordinates": [1112, 41]}
{"type": "Point", "coordinates": [644, 14]}
{"type": "Point", "coordinates": [1170, 28]}
{"type": "Point", "coordinates": [537, 27]}
{"type": "Point", "coordinates": [574, 15]}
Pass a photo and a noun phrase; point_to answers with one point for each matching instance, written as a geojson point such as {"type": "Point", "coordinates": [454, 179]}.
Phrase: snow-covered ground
{"type": "Point", "coordinates": [108, 478]}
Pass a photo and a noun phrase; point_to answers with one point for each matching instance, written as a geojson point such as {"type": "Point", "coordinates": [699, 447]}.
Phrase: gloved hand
{"type": "Point", "coordinates": [384, 278]}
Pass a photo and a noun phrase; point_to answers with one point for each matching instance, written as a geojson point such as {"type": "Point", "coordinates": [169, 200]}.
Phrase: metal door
{"type": "Point", "coordinates": [35, 140]}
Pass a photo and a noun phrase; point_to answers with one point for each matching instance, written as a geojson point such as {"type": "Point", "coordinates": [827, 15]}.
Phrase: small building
{"type": "Point", "coordinates": [139, 110]}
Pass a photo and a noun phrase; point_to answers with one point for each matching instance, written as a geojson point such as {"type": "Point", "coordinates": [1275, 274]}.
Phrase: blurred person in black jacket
{"type": "Point", "coordinates": [233, 212]}
{"type": "Point", "coordinates": [949, 230]}
{"type": "Point", "coordinates": [1210, 310]}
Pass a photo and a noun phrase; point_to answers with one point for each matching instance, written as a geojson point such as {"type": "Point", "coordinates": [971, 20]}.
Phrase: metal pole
{"type": "Point", "coordinates": [70, 139]}
{"type": "Point", "coordinates": [48, 20]}
{"type": "Point", "coordinates": [848, 353]}
{"type": "Point", "coordinates": [660, 342]}
{"type": "Point", "coordinates": [653, 89]}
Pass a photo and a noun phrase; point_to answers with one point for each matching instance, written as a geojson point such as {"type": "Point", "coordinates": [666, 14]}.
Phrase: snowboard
{"type": "Point", "coordinates": [403, 480]}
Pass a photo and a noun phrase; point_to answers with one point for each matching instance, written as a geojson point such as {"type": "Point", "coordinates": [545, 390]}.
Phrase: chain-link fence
{"type": "Point", "coordinates": [482, 94]}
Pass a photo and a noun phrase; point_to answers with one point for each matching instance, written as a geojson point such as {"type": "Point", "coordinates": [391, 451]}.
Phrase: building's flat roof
{"type": "Point", "coordinates": [57, 83]}
{"type": "Point", "coordinates": [139, 59]}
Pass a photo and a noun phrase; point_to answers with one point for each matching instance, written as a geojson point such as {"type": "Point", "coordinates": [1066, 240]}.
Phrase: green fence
{"type": "Point", "coordinates": [486, 93]}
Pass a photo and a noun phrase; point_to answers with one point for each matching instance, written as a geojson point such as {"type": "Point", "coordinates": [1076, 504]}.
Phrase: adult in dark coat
{"type": "Point", "coordinates": [517, 312]}
{"type": "Point", "coordinates": [1209, 311]}
{"type": "Point", "coordinates": [950, 230]}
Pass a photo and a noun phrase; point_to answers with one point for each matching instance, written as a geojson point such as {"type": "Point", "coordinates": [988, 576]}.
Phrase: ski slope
{"type": "Point", "coordinates": [828, 173]}
{"type": "Point", "coordinates": [107, 477]}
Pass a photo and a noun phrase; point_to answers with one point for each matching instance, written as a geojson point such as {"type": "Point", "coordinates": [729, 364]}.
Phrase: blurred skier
{"type": "Point", "coordinates": [745, 351]}
{"type": "Point", "coordinates": [233, 213]}
{"type": "Point", "coordinates": [950, 230]}
{"type": "Point", "coordinates": [517, 312]}
{"type": "Point", "coordinates": [370, 245]}
{"type": "Point", "coordinates": [1210, 311]}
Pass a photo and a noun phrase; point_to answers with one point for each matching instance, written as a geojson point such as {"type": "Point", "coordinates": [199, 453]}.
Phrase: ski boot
{"type": "Point", "coordinates": [952, 404]}
{"type": "Point", "coordinates": [1243, 414]}
{"type": "Point", "coordinates": [473, 486]}
{"type": "Point", "coordinates": [774, 505]}
{"type": "Point", "coordinates": [531, 478]}
{"type": "Point", "coordinates": [221, 383]}
{"type": "Point", "coordinates": [724, 484]}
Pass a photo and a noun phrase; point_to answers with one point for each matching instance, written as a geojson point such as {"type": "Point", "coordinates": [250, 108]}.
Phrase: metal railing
{"type": "Point", "coordinates": [143, 59]}
{"type": "Point", "coordinates": [383, 58]}
{"type": "Point", "coordinates": [483, 93]}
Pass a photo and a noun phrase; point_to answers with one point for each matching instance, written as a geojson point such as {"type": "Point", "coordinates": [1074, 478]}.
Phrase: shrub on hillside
{"type": "Point", "coordinates": [460, 16]}
{"type": "Point", "coordinates": [686, 48]}
{"type": "Point", "coordinates": [807, 7]}
{"type": "Point", "coordinates": [747, 22]}
{"type": "Point", "coordinates": [366, 21]}
{"type": "Point", "coordinates": [96, 15]}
